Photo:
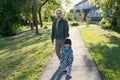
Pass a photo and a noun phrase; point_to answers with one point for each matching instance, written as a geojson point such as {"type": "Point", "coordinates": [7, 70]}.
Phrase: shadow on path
{"type": "Point", "coordinates": [58, 75]}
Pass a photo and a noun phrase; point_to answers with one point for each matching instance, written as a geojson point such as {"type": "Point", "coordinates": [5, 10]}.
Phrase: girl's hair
{"type": "Point", "coordinates": [68, 41]}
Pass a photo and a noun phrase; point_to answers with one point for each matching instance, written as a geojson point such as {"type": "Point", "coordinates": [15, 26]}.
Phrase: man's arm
{"type": "Point", "coordinates": [66, 29]}
{"type": "Point", "coordinates": [53, 33]}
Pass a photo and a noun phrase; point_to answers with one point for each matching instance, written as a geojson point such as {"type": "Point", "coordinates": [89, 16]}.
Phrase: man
{"type": "Point", "coordinates": [60, 31]}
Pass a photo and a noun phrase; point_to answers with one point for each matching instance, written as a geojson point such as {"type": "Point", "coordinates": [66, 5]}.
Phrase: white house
{"type": "Point", "coordinates": [85, 6]}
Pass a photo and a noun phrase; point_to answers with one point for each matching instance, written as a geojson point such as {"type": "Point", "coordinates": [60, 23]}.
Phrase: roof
{"type": "Point", "coordinates": [81, 2]}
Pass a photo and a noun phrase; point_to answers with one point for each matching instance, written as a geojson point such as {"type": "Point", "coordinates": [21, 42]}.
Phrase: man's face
{"type": "Point", "coordinates": [58, 14]}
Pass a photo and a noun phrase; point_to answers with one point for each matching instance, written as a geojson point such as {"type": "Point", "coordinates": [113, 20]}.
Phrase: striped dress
{"type": "Point", "coordinates": [66, 57]}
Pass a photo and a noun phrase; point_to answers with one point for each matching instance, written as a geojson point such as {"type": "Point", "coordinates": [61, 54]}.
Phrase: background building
{"type": "Point", "coordinates": [84, 9]}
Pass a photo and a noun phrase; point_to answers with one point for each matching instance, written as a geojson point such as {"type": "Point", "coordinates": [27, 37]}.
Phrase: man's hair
{"type": "Point", "coordinates": [68, 41]}
{"type": "Point", "coordinates": [58, 10]}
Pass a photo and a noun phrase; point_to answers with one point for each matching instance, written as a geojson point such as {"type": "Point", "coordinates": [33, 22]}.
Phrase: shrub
{"type": "Point", "coordinates": [8, 29]}
{"type": "Point", "coordinates": [45, 27]}
{"type": "Point", "coordinates": [75, 24]}
{"type": "Point", "coordinates": [105, 23]}
{"type": "Point", "coordinates": [9, 17]}
{"type": "Point", "coordinates": [116, 28]}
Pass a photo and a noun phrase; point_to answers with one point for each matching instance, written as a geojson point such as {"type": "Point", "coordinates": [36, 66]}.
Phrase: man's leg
{"type": "Point", "coordinates": [58, 47]}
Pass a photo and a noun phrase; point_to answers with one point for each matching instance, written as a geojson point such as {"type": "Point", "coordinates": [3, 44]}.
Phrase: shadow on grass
{"type": "Point", "coordinates": [9, 67]}
{"type": "Point", "coordinates": [110, 51]}
{"type": "Point", "coordinates": [16, 52]}
{"type": "Point", "coordinates": [22, 40]}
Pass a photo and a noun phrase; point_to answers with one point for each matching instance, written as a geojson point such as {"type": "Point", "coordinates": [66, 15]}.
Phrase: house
{"type": "Point", "coordinates": [84, 8]}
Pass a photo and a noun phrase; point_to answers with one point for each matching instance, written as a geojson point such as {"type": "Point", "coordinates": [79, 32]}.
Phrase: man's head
{"type": "Point", "coordinates": [59, 13]}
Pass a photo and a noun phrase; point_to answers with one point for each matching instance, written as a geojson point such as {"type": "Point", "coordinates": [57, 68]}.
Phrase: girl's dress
{"type": "Point", "coordinates": [66, 58]}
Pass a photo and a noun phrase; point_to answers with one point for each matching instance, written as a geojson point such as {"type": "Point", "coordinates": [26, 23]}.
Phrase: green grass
{"type": "Point", "coordinates": [24, 56]}
{"type": "Point", "coordinates": [47, 24]}
{"type": "Point", "coordinates": [104, 47]}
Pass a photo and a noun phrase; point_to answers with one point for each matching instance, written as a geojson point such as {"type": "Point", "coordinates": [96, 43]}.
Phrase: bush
{"type": "Point", "coordinates": [75, 24]}
{"type": "Point", "coordinates": [116, 28]}
{"type": "Point", "coordinates": [8, 29]}
{"type": "Point", "coordinates": [105, 23]}
{"type": "Point", "coordinates": [9, 17]}
{"type": "Point", "coordinates": [45, 27]}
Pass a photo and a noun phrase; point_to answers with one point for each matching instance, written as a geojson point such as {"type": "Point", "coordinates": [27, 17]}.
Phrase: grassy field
{"type": "Point", "coordinates": [104, 47]}
{"type": "Point", "coordinates": [24, 56]}
{"type": "Point", "coordinates": [49, 24]}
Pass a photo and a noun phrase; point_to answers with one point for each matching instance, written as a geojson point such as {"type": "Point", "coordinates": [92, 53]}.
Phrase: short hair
{"type": "Point", "coordinates": [68, 41]}
{"type": "Point", "coordinates": [58, 10]}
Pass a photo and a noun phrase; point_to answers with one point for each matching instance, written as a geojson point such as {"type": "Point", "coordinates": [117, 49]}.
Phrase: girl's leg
{"type": "Point", "coordinates": [69, 70]}
{"type": "Point", "coordinates": [68, 76]}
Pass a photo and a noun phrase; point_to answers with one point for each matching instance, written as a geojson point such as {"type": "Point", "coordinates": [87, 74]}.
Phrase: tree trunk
{"type": "Point", "coordinates": [40, 18]}
{"type": "Point", "coordinates": [34, 14]}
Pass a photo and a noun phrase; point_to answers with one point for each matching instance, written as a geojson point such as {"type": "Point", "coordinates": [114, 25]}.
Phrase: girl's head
{"type": "Point", "coordinates": [67, 43]}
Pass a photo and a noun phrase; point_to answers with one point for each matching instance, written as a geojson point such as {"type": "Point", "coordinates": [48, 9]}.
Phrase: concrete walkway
{"type": "Point", "coordinates": [84, 67]}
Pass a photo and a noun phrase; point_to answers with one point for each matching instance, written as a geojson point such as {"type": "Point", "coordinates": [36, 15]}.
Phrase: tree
{"type": "Point", "coordinates": [9, 17]}
{"type": "Point", "coordinates": [34, 13]}
{"type": "Point", "coordinates": [40, 7]}
{"type": "Point", "coordinates": [48, 11]}
{"type": "Point", "coordinates": [109, 8]}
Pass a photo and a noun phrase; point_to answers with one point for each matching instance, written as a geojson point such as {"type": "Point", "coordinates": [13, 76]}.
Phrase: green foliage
{"type": "Point", "coordinates": [9, 17]}
{"type": "Point", "coordinates": [12, 12]}
{"type": "Point", "coordinates": [104, 47]}
{"type": "Point", "coordinates": [105, 23]}
{"type": "Point", "coordinates": [75, 24]}
{"type": "Point", "coordinates": [49, 9]}
{"type": "Point", "coordinates": [45, 27]}
{"type": "Point", "coordinates": [109, 75]}
{"type": "Point", "coordinates": [116, 28]}
{"type": "Point", "coordinates": [109, 8]}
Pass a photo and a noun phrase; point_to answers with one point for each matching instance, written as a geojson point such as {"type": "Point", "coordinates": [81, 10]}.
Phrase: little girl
{"type": "Point", "coordinates": [66, 58]}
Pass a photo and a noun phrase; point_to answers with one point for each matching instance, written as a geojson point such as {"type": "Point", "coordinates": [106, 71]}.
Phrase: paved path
{"type": "Point", "coordinates": [84, 67]}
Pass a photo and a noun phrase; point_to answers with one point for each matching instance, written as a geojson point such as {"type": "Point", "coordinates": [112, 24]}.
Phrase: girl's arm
{"type": "Point", "coordinates": [71, 58]}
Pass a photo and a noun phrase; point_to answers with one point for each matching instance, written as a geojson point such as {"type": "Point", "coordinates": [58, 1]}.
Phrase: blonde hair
{"type": "Point", "coordinates": [58, 10]}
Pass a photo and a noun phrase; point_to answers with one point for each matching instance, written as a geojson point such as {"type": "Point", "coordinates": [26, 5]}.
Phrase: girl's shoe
{"type": "Point", "coordinates": [68, 77]}
{"type": "Point", "coordinates": [62, 69]}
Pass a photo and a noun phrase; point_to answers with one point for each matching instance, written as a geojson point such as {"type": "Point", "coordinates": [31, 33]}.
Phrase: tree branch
{"type": "Point", "coordinates": [43, 3]}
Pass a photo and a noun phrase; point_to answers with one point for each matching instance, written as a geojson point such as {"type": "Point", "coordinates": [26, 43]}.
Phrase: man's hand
{"type": "Point", "coordinates": [67, 38]}
{"type": "Point", "coordinates": [52, 43]}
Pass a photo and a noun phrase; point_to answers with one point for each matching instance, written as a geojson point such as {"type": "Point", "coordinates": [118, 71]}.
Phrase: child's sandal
{"type": "Point", "coordinates": [68, 77]}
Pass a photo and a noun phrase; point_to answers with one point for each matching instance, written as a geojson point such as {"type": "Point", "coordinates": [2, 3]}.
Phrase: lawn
{"type": "Point", "coordinates": [104, 47]}
{"type": "Point", "coordinates": [24, 56]}
{"type": "Point", "coordinates": [49, 24]}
